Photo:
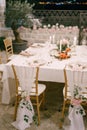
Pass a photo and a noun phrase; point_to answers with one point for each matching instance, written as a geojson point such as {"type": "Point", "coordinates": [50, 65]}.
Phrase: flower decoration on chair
{"type": "Point", "coordinates": [77, 100]}
{"type": "Point", "coordinates": [24, 95]}
{"type": "Point", "coordinates": [26, 103]}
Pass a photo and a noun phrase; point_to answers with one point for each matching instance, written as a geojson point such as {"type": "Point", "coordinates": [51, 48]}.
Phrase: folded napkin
{"type": "Point", "coordinates": [78, 65]}
{"type": "Point", "coordinates": [38, 45]}
{"type": "Point", "coordinates": [25, 53]}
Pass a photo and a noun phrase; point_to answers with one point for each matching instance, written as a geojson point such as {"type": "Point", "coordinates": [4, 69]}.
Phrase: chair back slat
{"type": "Point", "coordinates": [8, 47]}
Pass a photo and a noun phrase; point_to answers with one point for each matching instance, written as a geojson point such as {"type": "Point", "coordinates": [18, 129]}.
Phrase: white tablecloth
{"type": "Point", "coordinates": [51, 68]}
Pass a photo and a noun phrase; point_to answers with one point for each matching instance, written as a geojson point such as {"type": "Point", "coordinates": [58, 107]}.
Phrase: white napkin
{"type": "Point", "coordinates": [38, 45]}
{"type": "Point", "coordinates": [25, 53]}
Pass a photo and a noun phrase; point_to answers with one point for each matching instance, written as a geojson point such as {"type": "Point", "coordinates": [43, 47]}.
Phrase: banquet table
{"type": "Point", "coordinates": [42, 55]}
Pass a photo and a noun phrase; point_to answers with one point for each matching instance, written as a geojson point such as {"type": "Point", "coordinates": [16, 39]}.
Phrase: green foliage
{"type": "Point", "coordinates": [35, 119]}
{"type": "Point", "coordinates": [18, 12]}
{"type": "Point", "coordinates": [62, 119]}
{"type": "Point", "coordinates": [2, 47]}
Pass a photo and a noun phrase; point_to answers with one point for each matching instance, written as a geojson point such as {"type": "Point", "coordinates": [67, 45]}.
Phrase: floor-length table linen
{"type": "Point", "coordinates": [51, 68]}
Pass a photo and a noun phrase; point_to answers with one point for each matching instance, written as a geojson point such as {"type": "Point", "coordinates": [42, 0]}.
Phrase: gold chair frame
{"type": "Point", "coordinates": [67, 99]}
{"type": "Point", "coordinates": [37, 96]}
{"type": "Point", "coordinates": [8, 47]}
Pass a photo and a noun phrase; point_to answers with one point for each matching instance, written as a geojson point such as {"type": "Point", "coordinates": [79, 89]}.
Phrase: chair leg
{"type": "Point", "coordinates": [62, 115]}
{"type": "Point", "coordinates": [15, 111]}
{"type": "Point", "coordinates": [38, 110]}
{"type": "Point", "coordinates": [43, 100]}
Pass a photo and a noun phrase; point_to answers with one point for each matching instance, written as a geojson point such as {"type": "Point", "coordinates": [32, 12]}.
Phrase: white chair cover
{"type": "Point", "coordinates": [76, 75]}
{"type": "Point", "coordinates": [25, 111]}
{"type": "Point", "coordinates": [23, 72]}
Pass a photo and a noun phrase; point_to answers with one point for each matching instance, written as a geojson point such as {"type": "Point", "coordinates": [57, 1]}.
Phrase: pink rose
{"type": "Point", "coordinates": [27, 98]}
{"type": "Point", "coordinates": [76, 102]}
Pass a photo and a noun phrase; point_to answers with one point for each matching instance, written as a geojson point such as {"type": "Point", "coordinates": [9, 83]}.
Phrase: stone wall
{"type": "Point", "coordinates": [44, 34]}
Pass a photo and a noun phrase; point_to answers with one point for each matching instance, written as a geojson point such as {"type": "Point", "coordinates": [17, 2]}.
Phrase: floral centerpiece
{"type": "Point", "coordinates": [63, 47]}
{"type": "Point", "coordinates": [64, 43]}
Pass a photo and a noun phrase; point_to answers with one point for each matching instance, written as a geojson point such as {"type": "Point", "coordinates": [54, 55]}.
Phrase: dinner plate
{"type": "Point", "coordinates": [54, 52]}
{"type": "Point", "coordinates": [37, 62]}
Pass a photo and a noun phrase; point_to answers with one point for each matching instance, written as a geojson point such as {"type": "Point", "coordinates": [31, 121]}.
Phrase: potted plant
{"type": "Point", "coordinates": [18, 14]}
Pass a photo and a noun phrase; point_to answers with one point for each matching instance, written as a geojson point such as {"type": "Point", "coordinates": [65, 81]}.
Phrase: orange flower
{"type": "Point", "coordinates": [63, 55]}
{"type": "Point", "coordinates": [68, 49]}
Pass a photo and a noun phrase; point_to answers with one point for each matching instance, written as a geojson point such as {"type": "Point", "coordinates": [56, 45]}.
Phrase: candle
{"type": "Point", "coordinates": [68, 45]}
{"type": "Point", "coordinates": [75, 39]}
{"type": "Point", "coordinates": [50, 39]}
{"type": "Point", "coordinates": [60, 46]}
{"type": "Point", "coordinates": [53, 38]}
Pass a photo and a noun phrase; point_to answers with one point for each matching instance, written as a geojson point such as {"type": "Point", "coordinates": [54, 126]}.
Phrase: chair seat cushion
{"type": "Point", "coordinates": [41, 89]}
{"type": "Point", "coordinates": [69, 94]}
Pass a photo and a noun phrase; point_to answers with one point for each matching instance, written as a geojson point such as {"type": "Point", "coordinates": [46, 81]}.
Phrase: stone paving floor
{"type": "Point", "coordinates": [49, 118]}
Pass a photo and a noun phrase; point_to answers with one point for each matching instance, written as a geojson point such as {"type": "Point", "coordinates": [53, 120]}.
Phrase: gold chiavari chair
{"type": "Point", "coordinates": [37, 93]}
{"type": "Point", "coordinates": [9, 48]}
{"type": "Point", "coordinates": [70, 81]}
